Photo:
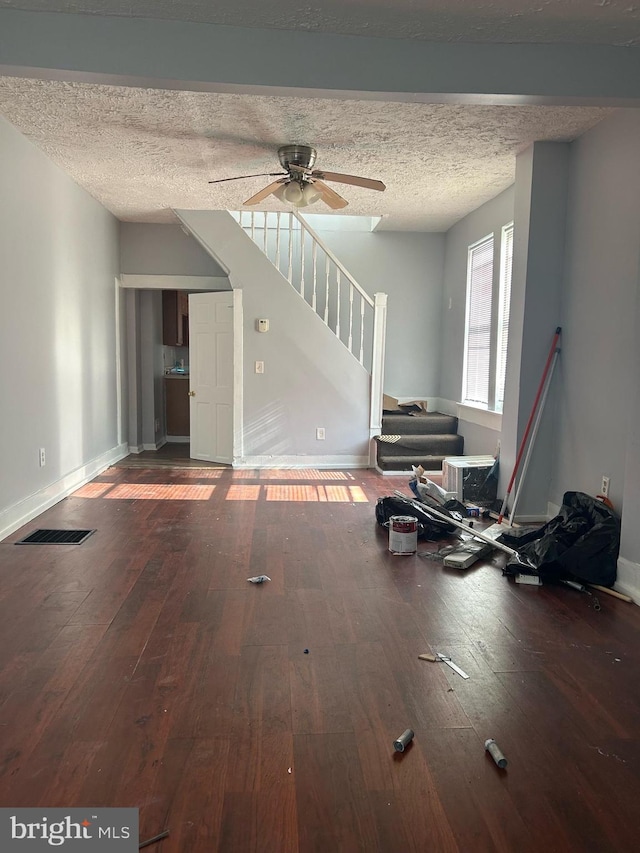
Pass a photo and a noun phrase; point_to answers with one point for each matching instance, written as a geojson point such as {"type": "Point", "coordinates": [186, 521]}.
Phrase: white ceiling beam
{"type": "Point", "coordinates": [210, 57]}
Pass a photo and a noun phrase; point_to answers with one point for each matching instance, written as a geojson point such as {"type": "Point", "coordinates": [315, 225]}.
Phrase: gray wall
{"type": "Point", "coordinates": [147, 249]}
{"type": "Point", "coordinates": [409, 268]}
{"type": "Point", "coordinates": [599, 375]}
{"type": "Point", "coordinates": [59, 251]}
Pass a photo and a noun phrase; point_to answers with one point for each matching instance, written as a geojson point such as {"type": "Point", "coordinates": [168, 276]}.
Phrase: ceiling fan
{"type": "Point", "coordinates": [301, 184]}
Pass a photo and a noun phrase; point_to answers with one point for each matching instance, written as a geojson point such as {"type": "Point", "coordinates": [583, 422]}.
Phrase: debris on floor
{"type": "Point", "coordinates": [495, 752]}
{"type": "Point", "coordinates": [466, 554]}
{"type": "Point", "coordinates": [402, 742]}
{"type": "Point", "coordinates": [531, 580]}
{"type": "Point", "coordinates": [153, 840]}
{"type": "Point", "coordinates": [446, 659]}
{"type": "Point", "coordinates": [259, 579]}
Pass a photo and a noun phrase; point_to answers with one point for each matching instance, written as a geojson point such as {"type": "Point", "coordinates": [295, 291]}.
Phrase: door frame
{"type": "Point", "coordinates": [123, 370]}
{"type": "Point", "coordinates": [238, 376]}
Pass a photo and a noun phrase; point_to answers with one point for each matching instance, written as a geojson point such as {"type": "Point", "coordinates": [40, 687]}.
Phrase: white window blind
{"type": "Point", "coordinates": [506, 262]}
{"type": "Point", "coordinates": [478, 325]}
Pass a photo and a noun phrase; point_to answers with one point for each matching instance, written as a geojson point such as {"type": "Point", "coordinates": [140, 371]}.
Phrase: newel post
{"type": "Point", "coordinates": [377, 362]}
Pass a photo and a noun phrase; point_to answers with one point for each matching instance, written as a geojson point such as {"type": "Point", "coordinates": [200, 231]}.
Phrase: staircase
{"type": "Point", "coordinates": [425, 439]}
{"type": "Point", "coordinates": [357, 320]}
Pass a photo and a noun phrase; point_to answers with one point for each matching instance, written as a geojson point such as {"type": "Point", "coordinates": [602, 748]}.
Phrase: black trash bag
{"type": "Point", "coordinates": [580, 543]}
{"type": "Point", "coordinates": [429, 527]}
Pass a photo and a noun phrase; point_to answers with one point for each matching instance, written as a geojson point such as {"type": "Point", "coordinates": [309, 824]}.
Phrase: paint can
{"type": "Point", "coordinates": [403, 534]}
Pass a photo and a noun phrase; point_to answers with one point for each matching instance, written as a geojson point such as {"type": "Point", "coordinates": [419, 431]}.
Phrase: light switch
{"type": "Point", "coordinates": [259, 366]}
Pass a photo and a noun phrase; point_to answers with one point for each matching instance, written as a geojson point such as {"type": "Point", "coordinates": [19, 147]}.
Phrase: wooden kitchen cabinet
{"type": "Point", "coordinates": [175, 318]}
{"type": "Point", "coordinates": [177, 405]}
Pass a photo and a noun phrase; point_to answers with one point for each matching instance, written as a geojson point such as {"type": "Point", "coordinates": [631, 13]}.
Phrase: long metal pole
{"type": "Point", "coordinates": [523, 443]}
{"type": "Point", "coordinates": [536, 427]}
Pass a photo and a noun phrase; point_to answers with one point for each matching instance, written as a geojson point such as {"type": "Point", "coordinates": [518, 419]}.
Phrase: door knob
{"type": "Point", "coordinates": [192, 393]}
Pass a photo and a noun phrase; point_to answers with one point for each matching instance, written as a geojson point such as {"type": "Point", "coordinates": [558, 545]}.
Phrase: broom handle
{"type": "Point", "coordinates": [552, 350]}
{"type": "Point", "coordinates": [613, 592]}
{"type": "Point", "coordinates": [536, 427]}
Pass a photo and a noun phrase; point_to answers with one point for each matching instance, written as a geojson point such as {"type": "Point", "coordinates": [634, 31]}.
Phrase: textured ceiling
{"type": "Point", "coordinates": [551, 21]}
{"type": "Point", "coordinates": [141, 152]}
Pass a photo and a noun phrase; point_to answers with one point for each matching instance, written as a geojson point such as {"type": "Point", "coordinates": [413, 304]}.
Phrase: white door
{"type": "Point", "coordinates": [211, 376]}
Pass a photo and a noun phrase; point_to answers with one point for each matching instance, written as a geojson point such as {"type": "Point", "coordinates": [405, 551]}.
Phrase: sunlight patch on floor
{"type": "Point", "coordinates": [243, 493]}
{"type": "Point", "coordinates": [155, 492]}
{"type": "Point", "coordinates": [342, 494]}
{"type": "Point", "coordinates": [302, 474]}
{"type": "Point", "coordinates": [92, 490]}
{"type": "Point", "coordinates": [332, 494]}
{"type": "Point", "coordinates": [197, 473]}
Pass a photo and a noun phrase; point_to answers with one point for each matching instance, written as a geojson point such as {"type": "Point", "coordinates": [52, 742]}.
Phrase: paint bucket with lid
{"type": "Point", "coordinates": [403, 534]}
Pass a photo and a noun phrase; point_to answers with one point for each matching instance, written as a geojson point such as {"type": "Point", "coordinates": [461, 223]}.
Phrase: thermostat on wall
{"type": "Point", "coordinates": [262, 325]}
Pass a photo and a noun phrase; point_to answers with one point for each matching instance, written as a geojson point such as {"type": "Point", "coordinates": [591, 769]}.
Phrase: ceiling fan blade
{"type": "Point", "coordinates": [354, 180]}
{"type": "Point", "coordinates": [329, 196]}
{"type": "Point", "coordinates": [265, 191]}
{"type": "Point", "coordinates": [242, 177]}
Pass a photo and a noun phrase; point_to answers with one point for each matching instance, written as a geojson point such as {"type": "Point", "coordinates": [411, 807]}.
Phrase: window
{"type": "Point", "coordinates": [487, 322]}
{"type": "Point", "coordinates": [477, 349]}
{"type": "Point", "coordinates": [506, 263]}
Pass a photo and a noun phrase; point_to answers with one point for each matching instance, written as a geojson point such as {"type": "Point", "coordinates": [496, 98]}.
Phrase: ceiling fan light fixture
{"type": "Point", "coordinates": [310, 194]}
{"type": "Point", "coordinates": [298, 194]}
{"type": "Point", "coordinates": [294, 194]}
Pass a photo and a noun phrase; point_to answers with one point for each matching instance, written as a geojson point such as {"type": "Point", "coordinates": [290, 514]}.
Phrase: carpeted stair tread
{"type": "Point", "coordinates": [433, 423]}
{"type": "Point", "coordinates": [431, 445]}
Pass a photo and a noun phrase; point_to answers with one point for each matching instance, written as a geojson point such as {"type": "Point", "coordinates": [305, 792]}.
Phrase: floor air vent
{"type": "Point", "coordinates": [56, 537]}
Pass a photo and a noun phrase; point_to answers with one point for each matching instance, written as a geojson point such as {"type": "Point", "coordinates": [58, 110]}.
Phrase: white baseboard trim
{"type": "Point", "coordinates": [21, 513]}
{"type": "Point", "coordinates": [552, 510]}
{"type": "Point", "coordinates": [135, 448]}
{"type": "Point", "coordinates": [319, 462]}
{"type": "Point", "coordinates": [628, 581]}
{"type": "Point", "coordinates": [444, 406]}
{"type": "Point", "coordinates": [177, 439]}
{"type": "Point", "coordinates": [155, 445]}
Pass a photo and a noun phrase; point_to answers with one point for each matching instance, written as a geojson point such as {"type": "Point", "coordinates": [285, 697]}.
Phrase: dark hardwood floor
{"type": "Point", "coordinates": [142, 669]}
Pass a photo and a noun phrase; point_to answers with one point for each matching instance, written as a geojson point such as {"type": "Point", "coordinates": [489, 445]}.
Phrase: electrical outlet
{"type": "Point", "coordinates": [604, 488]}
{"type": "Point", "coordinates": [259, 366]}
{"type": "Point", "coordinates": [320, 433]}
{"type": "Point", "coordinates": [43, 457]}
{"type": "Point", "coordinates": [157, 424]}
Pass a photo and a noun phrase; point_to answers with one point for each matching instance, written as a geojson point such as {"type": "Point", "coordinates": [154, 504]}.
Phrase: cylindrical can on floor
{"type": "Point", "coordinates": [401, 743]}
{"type": "Point", "coordinates": [403, 534]}
{"type": "Point", "coordinates": [495, 752]}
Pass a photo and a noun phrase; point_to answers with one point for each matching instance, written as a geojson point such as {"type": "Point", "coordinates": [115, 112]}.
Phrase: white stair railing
{"type": "Point", "coordinates": [312, 269]}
